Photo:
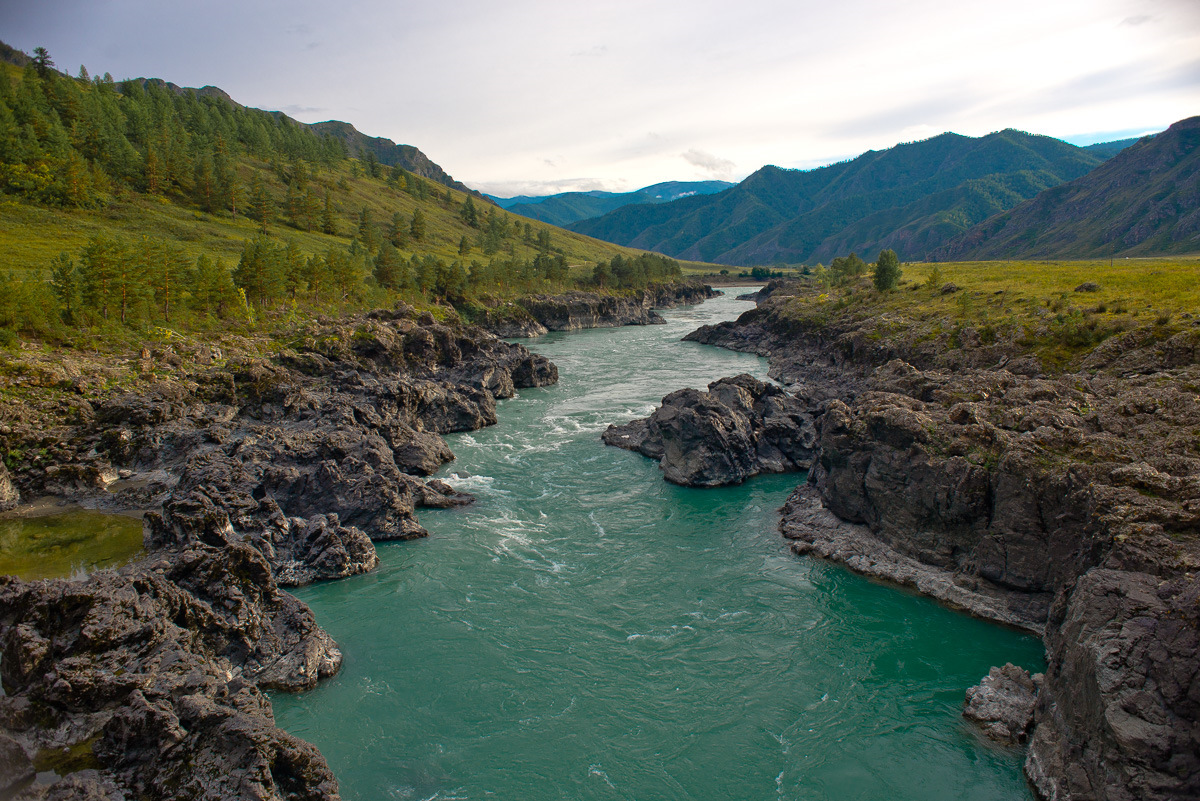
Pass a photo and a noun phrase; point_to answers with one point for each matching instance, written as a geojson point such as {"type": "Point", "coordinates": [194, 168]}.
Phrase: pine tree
{"type": "Point", "coordinates": [262, 205]}
{"type": "Point", "coordinates": [887, 270]}
{"type": "Point", "coordinates": [417, 226]}
{"type": "Point", "coordinates": [67, 284]}
{"type": "Point", "coordinates": [327, 224]}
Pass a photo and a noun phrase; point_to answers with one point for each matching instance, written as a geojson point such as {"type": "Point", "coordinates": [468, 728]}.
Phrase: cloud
{"type": "Point", "coordinates": [1138, 20]}
{"type": "Point", "coordinates": [715, 166]}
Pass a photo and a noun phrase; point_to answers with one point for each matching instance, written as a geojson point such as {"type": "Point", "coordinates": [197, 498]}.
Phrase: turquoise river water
{"type": "Point", "coordinates": [587, 631]}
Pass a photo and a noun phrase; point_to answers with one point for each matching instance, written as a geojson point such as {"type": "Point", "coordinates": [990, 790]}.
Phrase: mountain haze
{"type": "Point", "coordinates": [1145, 200]}
{"type": "Point", "coordinates": [912, 198]}
{"type": "Point", "coordinates": [569, 207]}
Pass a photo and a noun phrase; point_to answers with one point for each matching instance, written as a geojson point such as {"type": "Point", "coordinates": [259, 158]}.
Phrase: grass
{"type": "Point", "coordinates": [1031, 304]}
{"type": "Point", "coordinates": [31, 235]}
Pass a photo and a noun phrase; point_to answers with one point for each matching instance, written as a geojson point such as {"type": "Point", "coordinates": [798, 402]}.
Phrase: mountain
{"type": "Point", "coordinates": [912, 198]}
{"type": "Point", "coordinates": [568, 207]}
{"type": "Point", "coordinates": [387, 152]}
{"type": "Point", "coordinates": [1106, 150]}
{"type": "Point", "coordinates": [1144, 200]}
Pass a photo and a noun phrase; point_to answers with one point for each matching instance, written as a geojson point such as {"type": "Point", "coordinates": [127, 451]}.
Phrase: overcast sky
{"type": "Point", "coordinates": [542, 96]}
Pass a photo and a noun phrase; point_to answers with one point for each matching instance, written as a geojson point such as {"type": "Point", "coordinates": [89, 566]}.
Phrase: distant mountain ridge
{"type": "Point", "coordinates": [569, 207]}
{"type": "Point", "coordinates": [913, 198]}
{"type": "Point", "coordinates": [1145, 200]}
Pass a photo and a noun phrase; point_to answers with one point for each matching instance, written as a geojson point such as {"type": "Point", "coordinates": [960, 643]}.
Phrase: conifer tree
{"type": "Point", "coordinates": [327, 224]}
{"type": "Point", "coordinates": [417, 227]}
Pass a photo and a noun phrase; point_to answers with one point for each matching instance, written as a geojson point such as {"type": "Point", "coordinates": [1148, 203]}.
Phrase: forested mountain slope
{"type": "Point", "coordinates": [1145, 200]}
{"type": "Point", "coordinates": [568, 207]}
{"type": "Point", "coordinates": [912, 198]}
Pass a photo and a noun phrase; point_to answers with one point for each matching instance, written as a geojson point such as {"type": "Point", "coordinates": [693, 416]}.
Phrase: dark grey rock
{"type": "Point", "coordinates": [739, 428]}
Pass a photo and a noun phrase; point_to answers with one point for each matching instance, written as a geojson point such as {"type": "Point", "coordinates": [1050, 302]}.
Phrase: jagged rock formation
{"type": "Point", "coordinates": [1002, 703]}
{"type": "Point", "coordinates": [1068, 505]}
{"type": "Point", "coordinates": [269, 472]}
{"type": "Point", "coordinates": [739, 428]}
{"type": "Point", "coordinates": [573, 311]}
{"type": "Point", "coordinates": [155, 673]}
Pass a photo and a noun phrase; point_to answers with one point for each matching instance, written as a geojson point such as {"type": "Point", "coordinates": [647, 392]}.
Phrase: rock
{"type": "Point", "coordinates": [16, 768]}
{"type": "Point", "coordinates": [269, 472]}
{"type": "Point", "coordinates": [1088, 286]}
{"type": "Point", "coordinates": [1119, 716]}
{"type": "Point", "coordinates": [739, 428]}
{"type": "Point", "coordinates": [572, 311]}
{"type": "Point", "coordinates": [10, 498]}
{"type": "Point", "coordinates": [154, 671]}
{"type": "Point", "coordinates": [1002, 703]}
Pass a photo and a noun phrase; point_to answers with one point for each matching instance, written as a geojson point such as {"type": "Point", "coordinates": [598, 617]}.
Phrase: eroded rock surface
{"type": "Point", "coordinates": [739, 428]}
{"type": "Point", "coordinates": [155, 673]}
{"type": "Point", "coordinates": [1002, 703]}
{"type": "Point", "coordinates": [268, 470]}
{"type": "Point", "coordinates": [572, 311]}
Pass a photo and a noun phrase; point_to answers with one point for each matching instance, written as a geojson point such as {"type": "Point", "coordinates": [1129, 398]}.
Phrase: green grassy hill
{"type": "Point", "coordinates": [182, 208]}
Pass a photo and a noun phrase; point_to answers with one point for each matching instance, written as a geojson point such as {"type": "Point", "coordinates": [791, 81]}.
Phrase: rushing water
{"type": "Point", "coordinates": [588, 631]}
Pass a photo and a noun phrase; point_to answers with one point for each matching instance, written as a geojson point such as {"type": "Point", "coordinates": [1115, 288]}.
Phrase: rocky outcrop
{"type": "Point", "coordinates": [737, 429]}
{"type": "Point", "coordinates": [1068, 505]}
{"type": "Point", "coordinates": [1002, 703]}
{"type": "Point", "coordinates": [147, 682]}
{"type": "Point", "coordinates": [572, 311]}
{"type": "Point", "coordinates": [308, 455]}
{"type": "Point", "coordinates": [154, 675]}
{"type": "Point", "coordinates": [1121, 715]}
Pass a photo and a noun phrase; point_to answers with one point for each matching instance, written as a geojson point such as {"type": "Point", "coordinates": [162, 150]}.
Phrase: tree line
{"type": "Point", "coordinates": [115, 281]}
{"type": "Point", "coordinates": [73, 142]}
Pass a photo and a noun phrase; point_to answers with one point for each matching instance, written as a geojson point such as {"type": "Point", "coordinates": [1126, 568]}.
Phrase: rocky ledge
{"type": "Point", "coordinates": [1067, 505]}
{"type": "Point", "coordinates": [267, 468]}
{"type": "Point", "coordinates": [572, 311]}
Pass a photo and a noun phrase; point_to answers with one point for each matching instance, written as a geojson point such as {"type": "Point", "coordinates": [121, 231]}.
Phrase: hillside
{"type": "Point", "coordinates": [1106, 150]}
{"type": "Point", "coordinates": [569, 207]}
{"type": "Point", "coordinates": [1145, 200]}
{"type": "Point", "coordinates": [387, 152]}
{"type": "Point", "coordinates": [127, 207]}
{"type": "Point", "coordinates": [912, 198]}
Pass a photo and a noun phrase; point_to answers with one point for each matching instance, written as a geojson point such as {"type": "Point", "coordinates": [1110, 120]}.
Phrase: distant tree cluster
{"type": "Point", "coordinates": [844, 270]}
{"type": "Point", "coordinates": [636, 272]}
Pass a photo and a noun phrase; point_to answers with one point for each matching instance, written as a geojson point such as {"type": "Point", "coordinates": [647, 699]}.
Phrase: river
{"type": "Point", "coordinates": [587, 631]}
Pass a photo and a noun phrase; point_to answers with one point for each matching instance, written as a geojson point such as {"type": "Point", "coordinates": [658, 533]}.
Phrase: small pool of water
{"type": "Point", "coordinates": [66, 544]}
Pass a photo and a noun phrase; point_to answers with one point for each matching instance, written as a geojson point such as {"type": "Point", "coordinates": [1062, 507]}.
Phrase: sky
{"type": "Point", "coordinates": [543, 96]}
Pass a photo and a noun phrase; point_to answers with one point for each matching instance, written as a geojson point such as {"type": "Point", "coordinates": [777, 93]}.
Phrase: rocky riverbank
{"type": "Point", "coordinates": [1067, 504]}
{"type": "Point", "coordinates": [536, 315]}
{"type": "Point", "coordinates": [269, 466]}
